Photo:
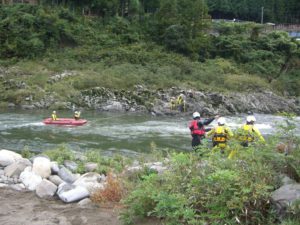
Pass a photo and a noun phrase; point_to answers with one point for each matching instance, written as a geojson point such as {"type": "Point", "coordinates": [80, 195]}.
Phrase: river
{"type": "Point", "coordinates": [128, 134]}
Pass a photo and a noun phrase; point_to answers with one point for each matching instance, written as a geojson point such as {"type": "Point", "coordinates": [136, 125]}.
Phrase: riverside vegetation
{"type": "Point", "coordinates": [157, 49]}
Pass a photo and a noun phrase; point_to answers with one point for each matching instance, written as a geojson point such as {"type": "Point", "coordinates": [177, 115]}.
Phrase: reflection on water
{"type": "Point", "coordinates": [122, 133]}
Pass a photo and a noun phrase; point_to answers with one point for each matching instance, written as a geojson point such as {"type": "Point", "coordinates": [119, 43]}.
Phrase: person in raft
{"type": "Point", "coordinates": [54, 116]}
{"type": "Point", "coordinates": [77, 115]}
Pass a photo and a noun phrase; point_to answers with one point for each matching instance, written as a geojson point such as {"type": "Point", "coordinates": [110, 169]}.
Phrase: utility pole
{"type": "Point", "coordinates": [262, 15]}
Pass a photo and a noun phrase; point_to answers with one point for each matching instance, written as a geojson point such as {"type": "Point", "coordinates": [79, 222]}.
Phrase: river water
{"type": "Point", "coordinates": [128, 134]}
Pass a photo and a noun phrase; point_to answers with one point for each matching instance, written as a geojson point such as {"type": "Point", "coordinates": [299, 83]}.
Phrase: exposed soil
{"type": "Point", "coordinates": [25, 208]}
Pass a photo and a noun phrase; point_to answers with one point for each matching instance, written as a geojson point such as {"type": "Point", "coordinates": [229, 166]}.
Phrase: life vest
{"type": "Point", "coordinates": [220, 135]}
{"type": "Point", "coordinates": [248, 133]}
{"type": "Point", "coordinates": [54, 117]}
{"type": "Point", "coordinates": [195, 129]}
{"type": "Point", "coordinates": [180, 100]}
{"type": "Point", "coordinates": [173, 103]}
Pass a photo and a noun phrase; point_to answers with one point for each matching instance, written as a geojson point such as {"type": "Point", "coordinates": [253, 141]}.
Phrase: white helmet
{"type": "Point", "coordinates": [221, 121]}
{"type": "Point", "coordinates": [54, 112]}
{"type": "Point", "coordinates": [250, 119]}
{"type": "Point", "coordinates": [196, 114]}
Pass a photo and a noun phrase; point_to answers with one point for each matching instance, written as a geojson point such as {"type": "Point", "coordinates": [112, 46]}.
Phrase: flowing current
{"type": "Point", "coordinates": [128, 134]}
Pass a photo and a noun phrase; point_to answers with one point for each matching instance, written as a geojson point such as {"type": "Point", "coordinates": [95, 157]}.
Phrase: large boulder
{"type": "Point", "coordinates": [55, 180]}
{"type": "Point", "coordinates": [66, 175]}
{"type": "Point", "coordinates": [54, 167]}
{"type": "Point", "coordinates": [8, 157]}
{"type": "Point", "coordinates": [71, 165]}
{"type": "Point", "coordinates": [16, 168]}
{"type": "Point", "coordinates": [91, 181]}
{"type": "Point", "coordinates": [46, 189]}
{"type": "Point", "coordinates": [90, 166]}
{"type": "Point", "coordinates": [42, 166]}
{"type": "Point", "coordinates": [285, 196]}
{"type": "Point", "coordinates": [71, 193]}
{"type": "Point", "coordinates": [30, 179]}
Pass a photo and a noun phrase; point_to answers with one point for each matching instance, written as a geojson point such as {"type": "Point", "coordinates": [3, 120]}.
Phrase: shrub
{"type": "Point", "coordinates": [60, 154]}
{"type": "Point", "coordinates": [213, 191]}
{"type": "Point", "coordinates": [26, 153]}
{"type": "Point", "coordinates": [112, 192]}
{"type": "Point", "coordinates": [245, 83]}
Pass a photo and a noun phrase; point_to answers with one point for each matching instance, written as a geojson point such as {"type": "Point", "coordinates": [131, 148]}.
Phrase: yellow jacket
{"type": "Point", "coordinates": [54, 117]}
{"type": "Point", "coordinates": [180, 100]}
{"type": "Point", "coordinates": [220, 134]}
{"type": "Point", "coordinates": [250, 132]}
{"type": "Point", "coordinates": [77, 115]}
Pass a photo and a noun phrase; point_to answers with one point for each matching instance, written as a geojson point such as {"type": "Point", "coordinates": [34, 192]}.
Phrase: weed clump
{"type": "Point", "coordinates": [112, 192]}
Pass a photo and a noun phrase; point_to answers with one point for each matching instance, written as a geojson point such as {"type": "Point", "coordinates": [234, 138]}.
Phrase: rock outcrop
{"type": "Point", "coordinates": [157, 102]}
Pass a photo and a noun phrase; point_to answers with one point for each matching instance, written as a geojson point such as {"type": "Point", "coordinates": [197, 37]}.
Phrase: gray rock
{"type": "Point", "coordinates": [3, 185]}
{"type": "Point", "coordinates": [55, 180]}
{"type": "Point", "coordinates": [90, 166]}
{"type": "Point", "coordinates": [8, 157]}
{"type": "Point", "coordinates": [54, 167]}
{"type": "Point", "coordinates": [71, 165]}
{"type": "Point", "coordinates": [30, 179]}
{"type": "Point", "coordinates": [46, 189]}
{"type": "Point", "coordinates": [286, 180]}
{"type": "Point", "coordinates": [18, 187]}
{"type": "Point", "coordinates": [91, 181]}
{"type": "Point", "coordinates": [285, 196]}
{"type": "Point", "coordinates": [66, 175]}
{"type": "Point", "coordinates": [28, 107]}
{"type": "Point", "coordinates": [1, 172]}
{"type": "Point", "coordinates": [85, 203]}
{"type": "Point", "coordinates": [16, 168]}
{"type": "Point", "coordinates": [11, 105]}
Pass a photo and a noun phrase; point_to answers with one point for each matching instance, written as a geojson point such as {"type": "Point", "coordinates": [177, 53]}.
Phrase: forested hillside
{"type": "Point", "coordinates": [159, 43]}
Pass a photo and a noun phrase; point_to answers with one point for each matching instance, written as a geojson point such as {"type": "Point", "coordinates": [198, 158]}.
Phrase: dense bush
{"type": "Point", "coordinates": [27, 31]}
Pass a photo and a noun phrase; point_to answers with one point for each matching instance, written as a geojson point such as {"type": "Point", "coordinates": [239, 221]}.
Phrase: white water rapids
{"type": "Point", "coordinates": [122, 133]}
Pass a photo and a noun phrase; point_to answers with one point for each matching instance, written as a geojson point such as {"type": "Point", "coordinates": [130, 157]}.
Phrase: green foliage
{"type": "Point", "coordinates": [31, 27]}
{"type": "Point", "coordinates": [102, 48]}
{"type": "Point", "coordinates": [106, 164]}
{"type": "Point", "coordinates": [80, 167]}
{"type": "Point", "coordinates": [245, 83]}
{"type": "Point", "coordinates": [215, 191]}
{"type": "Point", "coordinates": [60, 154]}
{"type": "Point", "coordinates": [26, 153]}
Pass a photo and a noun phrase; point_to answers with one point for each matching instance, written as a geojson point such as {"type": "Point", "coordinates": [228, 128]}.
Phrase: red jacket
{"type": "Point", "coordinates": [195, 128]}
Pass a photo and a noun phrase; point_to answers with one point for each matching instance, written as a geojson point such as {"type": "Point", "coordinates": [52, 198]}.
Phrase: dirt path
{"type": "Point", "coordinates": [25, 208]}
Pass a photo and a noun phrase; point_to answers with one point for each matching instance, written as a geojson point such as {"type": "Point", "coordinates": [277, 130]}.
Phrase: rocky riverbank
{"type": "Point", "coordinates": [157, 102]}
{"type": "Point", "coordinates": [36, 189]}
{"type": "Point", "coordinates": [32, 189]}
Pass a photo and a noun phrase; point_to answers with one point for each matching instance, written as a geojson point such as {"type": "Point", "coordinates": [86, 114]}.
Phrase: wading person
{"type": "Point", "coordinates": [220, 135]}
{"type": "Point", "coordinates": [181, 102]}
{"type": "Point", "coordinates": [198, 130]}
{"type": "Point", "coordinates": [172, 103]}
{"type": "Point", "coordinates": [249, 133]}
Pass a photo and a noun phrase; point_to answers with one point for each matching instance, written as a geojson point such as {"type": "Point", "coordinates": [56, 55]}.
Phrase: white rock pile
{"type": "Point", "coordinates": [47, 178]}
